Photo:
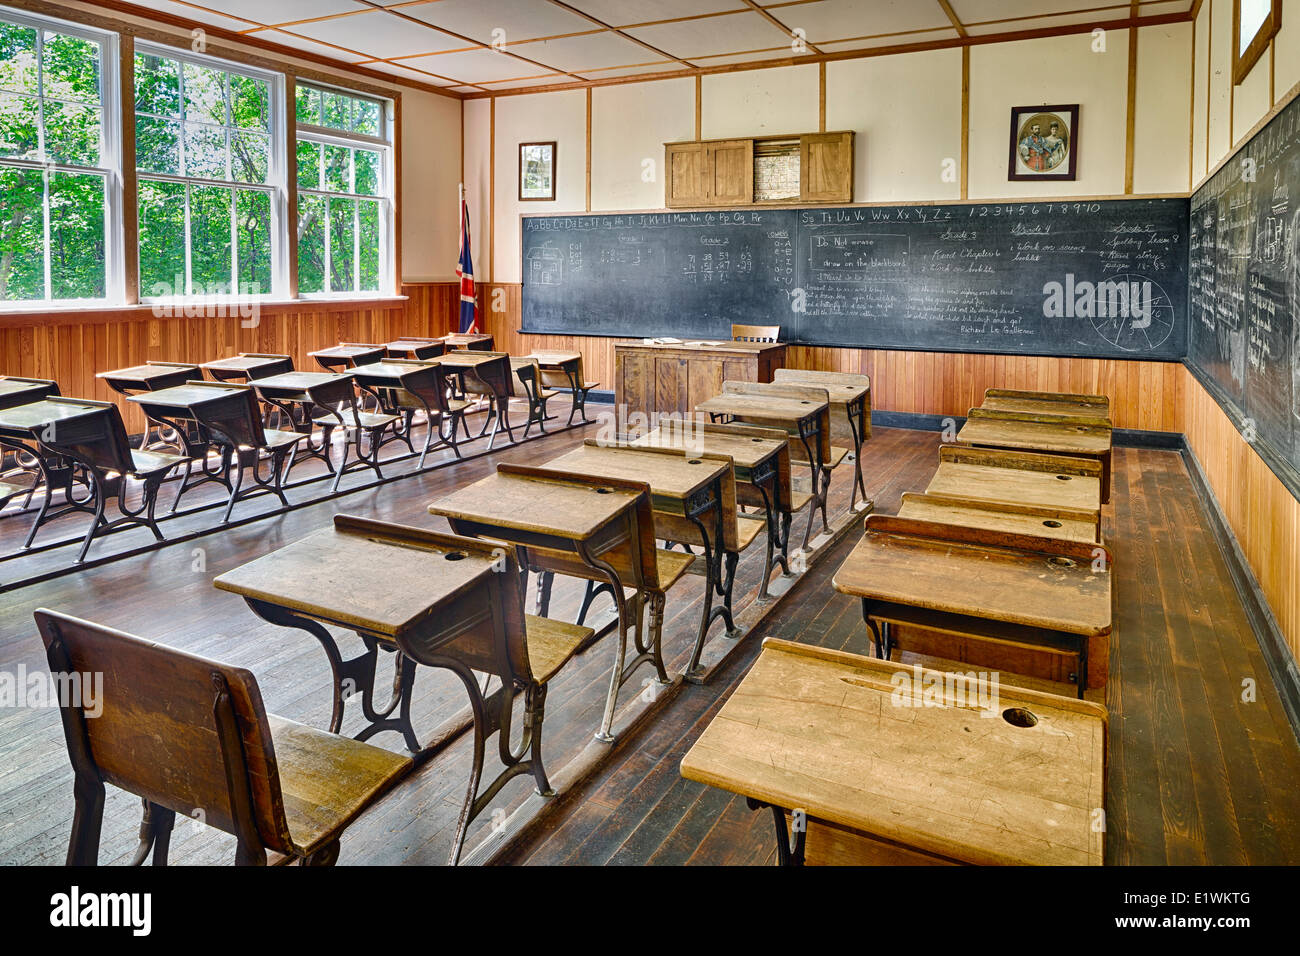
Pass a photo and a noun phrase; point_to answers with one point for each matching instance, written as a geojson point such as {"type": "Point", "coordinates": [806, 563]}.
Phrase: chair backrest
{"type": "Point", "coordinates": [181, 731]}
{"type": "Point", "coordinates": [238, 421]}
{"type": "Point", "coordinates": [482, 379]}
{"type": "Point", "coordinates": [809, 376]}
{"type": "Point", "coordinates": [424, 386]}
{"type": "Point", "coordinates": [97, 438]}
{"type": "Point", "coordinates": [526, 378]}
{"type": "Point", "coordinates": [755, 333]}
{"type": "Point", "coordinates": [798, 392]}
{"type": "Point", "coordinates": [559, 377]}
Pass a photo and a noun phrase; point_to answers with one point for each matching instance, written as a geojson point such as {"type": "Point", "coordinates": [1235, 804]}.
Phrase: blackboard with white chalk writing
{"type": "Point", "coordinates": [1079, 278]}
{"type": "Point", "coordinates": [1244, 294]}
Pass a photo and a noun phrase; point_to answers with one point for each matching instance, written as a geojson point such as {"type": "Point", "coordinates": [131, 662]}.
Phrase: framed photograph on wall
{"type": "Point", "coordinates": [1044, 142]}
{"type": "Point", "coordinates": [536, 171]}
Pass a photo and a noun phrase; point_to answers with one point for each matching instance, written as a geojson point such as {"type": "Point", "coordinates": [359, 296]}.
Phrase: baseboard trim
{"type": "Point", "coordinates": [1277, 655]}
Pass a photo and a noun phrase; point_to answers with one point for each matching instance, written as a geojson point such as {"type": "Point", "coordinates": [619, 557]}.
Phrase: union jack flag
{"type": "Point", "coordinates": [465, 273]}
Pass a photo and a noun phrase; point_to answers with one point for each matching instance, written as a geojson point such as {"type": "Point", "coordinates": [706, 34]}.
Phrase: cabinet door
{"type": "Point", "coordinates": [684, 168]}
{"type": "Point", "coordinates": [729, 168]}
{"type": "Point", "coordinates": [826, 167]}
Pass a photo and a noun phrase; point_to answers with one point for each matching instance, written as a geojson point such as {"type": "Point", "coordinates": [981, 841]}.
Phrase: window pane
{"type": "Point", "coordinates": [250, 103]}
{"type": "Point", "coordinates": [365, 118]}
{"type": "Point", "coordinates": [157, 85]}
{"type": "Point", "coordinates": [367, 161]}
{"type": "Point", "coordinates": [158, 145]}
{"type": "Point", "coordinates": [71, 133]}
{"type": "Point", "coordinates": [308, 165]}
{"type": "Point", "coordinates": [337, 174]}
{"type": "Point", "coordinates": [76, 236]}
{"type": "Point", "coordinates": [19, 116]}
{"type": "Point", "coordinates": [162, 239]}
{"type": "Point", "coordinates": [253, 226]}
{"type": "Point", "coordinates": [205, 151]}
{"type": "Point", "coordinates": [368, 223]}
{"type": "Point", "coordinates": [210, 263]}
{"type": "Point", "coordinates": [342, 251]}
{"type": "Point", "coordinates": [335, 110]}
{"type": "Point", "coordinates": [17, 58]}
{"type": "Point", "coordinates": [311, 243]}
{"type": "Point", "coordinates": [250, 157]}
{"type": "Point", "coordinates": [205, 94]}
{"type": "Point", "coordinates": [308, 106]}
{"type": "Point", "coordinates": [22, 229]}
{"type": "Point", "coordinates": [71, 68]}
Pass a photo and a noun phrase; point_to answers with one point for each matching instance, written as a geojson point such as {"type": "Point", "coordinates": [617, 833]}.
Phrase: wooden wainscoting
{"type": "Point", "coordinates": [72, 346]}
{"type": "Point", "coordinates": [1144, 395]}
{"type": "Point", "coordinates": [1261, 511]}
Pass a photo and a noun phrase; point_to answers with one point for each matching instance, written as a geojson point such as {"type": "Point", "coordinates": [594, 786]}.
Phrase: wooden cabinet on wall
{"type": "Point", "coordinates": [714, 173]}
{"type": "Point", "coordinates": [721, 172]}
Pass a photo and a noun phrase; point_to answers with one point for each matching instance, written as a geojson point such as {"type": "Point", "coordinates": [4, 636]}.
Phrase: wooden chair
{"type": "Point", "coordinates": [425, 389]}
{"type": "Point", "coordinates": [24, 461]}
{"type": "Point", "coordinates": [336, 407]}
{"type": "Point", "coordinates": [97, 441]}
{"type": "Point", "coordinates": [190, 736]}
{"type": "Point", "coordinates": [526, 382]}
{"type": "Point", "coordinates": [755, 333]}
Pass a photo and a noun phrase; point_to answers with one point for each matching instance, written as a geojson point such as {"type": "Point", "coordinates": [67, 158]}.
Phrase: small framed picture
{"type": "Point", "coordinates": [536, 171]}
{"type": "Point", "coordinates": [1044, 142]}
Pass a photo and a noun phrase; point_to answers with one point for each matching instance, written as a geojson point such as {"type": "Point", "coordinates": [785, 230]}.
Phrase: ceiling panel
{"type": "Point", "coordinates": [548, 80]}
{"type": "Point", "coordinates": [661, 66]}
{"type": "Point", "coordinates": [1040, 23]}
{"type": "Point", "coordinates": [474, 66]}
{"type": "Point", "coordinates": [751, 56]}
{"type": "Point", "coordinates": [379, 34]}
{"type": "Point", "coordinates": [619, 13]}
{"type": "Point", "coordinates": [982, 11]}
{"type": "Point", "coordinates": [732, 33]}
{"type": "Point", "coordinates": [519, 19]}
{"type": "Point", "coordinates": [311, 46]}
{"type": "Point", "coordinates": [396, 69]}
{"type": "Point", "coordinates": [1163, 7]}
{"type": "Point", "coordinates": [589, 52]}
{"type": "Point", "coordinates": [837, 19]}
{"type": "Point", "coordinates": [280, 11]}
{"type": "Point", "coordinates": [926, 36]}
{"type": "Point", "coordinates": [202, 15]}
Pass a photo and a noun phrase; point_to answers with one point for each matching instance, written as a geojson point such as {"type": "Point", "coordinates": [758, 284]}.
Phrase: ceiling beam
{"type": "Point", "coordinates": [952, 16]}
{"type": "Point", "coordinates": [777, 23]}
{"type": "Point", "coordinates": [613, 29]}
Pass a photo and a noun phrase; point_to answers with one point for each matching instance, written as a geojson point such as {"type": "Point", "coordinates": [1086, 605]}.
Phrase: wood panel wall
{"type": "Point", "coordinates": [1261, 511]}
{"type": "Point", "coordinates": [71, 347]}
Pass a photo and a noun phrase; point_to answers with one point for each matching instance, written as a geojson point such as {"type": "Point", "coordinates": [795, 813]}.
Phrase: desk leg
{"type": "Point", "coordinates": [856, 413]}
{"type": "Point", "coordinates": [787, 853]}
{"type": "Point", "coordinates": [617, 676]}
{"type": "Point", "coordinates": [815, 470]}
{"type": "Point", "coordinates": [879, 633]}
{"type": "Point", "coordinates": [714, 583]}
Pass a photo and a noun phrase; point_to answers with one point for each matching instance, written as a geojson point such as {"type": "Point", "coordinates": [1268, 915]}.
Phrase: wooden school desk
{"type": "Point", "coordinates": [20, 429]}
{"type": "Point", "coordinates": [248, 366]}
{"type": "Point", "coordinates": [1048, 403]}
{"type": "Point", "coordinates": [1048, 521]}
{"type": "Point", "coordinates": [677, 377]}
{"type": "Point", "coordinates": [421, 593]}
{"type": "Point", "coordinates": [850, 397]}
{"type": "Point", "coordinates": [487, 374]}
{"type": "Point", "coordinates": [469, 340]}
{"type": "Point", "coordinates": [806, 422]}
{"type": "Point", "coordinates": [150, 377]}
{"type": "Point", "coordinates": [418, 349]}
{"type": "Point", "coordinates": [564, 370]}
{"type": "Point", "coordinates": [760, 459]}
{"type": "Point", "coordinates": [985, 597]}
{"type": "Point", "coordinates": [990, 474]}
{"type": "Point", "coordinates": [569, 524]}
{"type": "Point", "coordinates": [16, 391]}
{"type": "Point", "coordinates": [694, 501]}
{"type": "Point", "coordinates": [1054, 434]}
{"type": "Point", "coordinates": [880, 778]}
{"type": "Point", "coordinates": [347, 355]}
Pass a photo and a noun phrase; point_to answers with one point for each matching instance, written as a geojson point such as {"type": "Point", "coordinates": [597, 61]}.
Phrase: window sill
{"type": "Point", "coordinates": [215, 311]}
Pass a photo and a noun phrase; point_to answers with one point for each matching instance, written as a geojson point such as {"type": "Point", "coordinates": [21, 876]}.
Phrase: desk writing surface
{"type": "Point", "coordinates": [746, 452]}
{"type": "Point", "coordinates": [840, 393]}
{"type": "Point", "coordinates": [146, 373]}
{"type": "Point", "coordinates": [1059, 438]}
{"type": "Point", "coordinates": [818, 730]}
{"type": "Point", "coordinates": [1008, 477]}
{"type": "Point", "coordinates": [15, 392]}
{"type": "Point", "coordinates": [347, 351]}
{"type": "Point", "coordinates": [669, 476]}
{"type": "Point", "coordinates": [393, 369]}
{"type": "Point", "coordinates": [242, 363]}
{"type": "Point", "coordinates": [760, 406]}
{"type": "Point", "coordinates": [39, 414]}
{"type": "Point", "coordinates": [947, 570]}
{"type": "Point", "coordinates": [538, 505]}
{"type": "Point", "coordinates": [1037, 406]}
{"type": "Point", "coordinates": [184, 396]}
{"type": "Point", "coordinates": [1014, 517]}
{"type": "Point", "coordinates": [364, 579]}
{"type": "Point", "coordinates": [301, 381]}
{"type": "Point", "coordinates": [463, 359]}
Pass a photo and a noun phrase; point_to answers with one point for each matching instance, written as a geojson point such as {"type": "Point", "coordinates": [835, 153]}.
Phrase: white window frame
{"type": "Point", "coordinates": [110, 158]}
{"type": "Point", "coordinates": [384, 197]}
{"type": "Point", "coordinates": [275, 186]}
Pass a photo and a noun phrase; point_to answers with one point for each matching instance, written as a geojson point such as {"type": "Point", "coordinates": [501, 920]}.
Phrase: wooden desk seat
{"type": "Point", "coordinates": [747, 530]}
{"type": "Point", "coordinates": [551, 644]}
{"type": "Point", "coordinates": [8, 492]}
{"type": "Point", "coordinates": [526, 382]}
{"type": "Point", "coordinates": [184, 732]}
{"type": "Point", "coordinates": [563, 370]}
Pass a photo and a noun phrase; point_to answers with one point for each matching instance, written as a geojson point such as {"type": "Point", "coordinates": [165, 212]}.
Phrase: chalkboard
{"type": "Point", "coordinates": [1086, 278]}
{"type": "Point", "coordinates": [1244, 290]}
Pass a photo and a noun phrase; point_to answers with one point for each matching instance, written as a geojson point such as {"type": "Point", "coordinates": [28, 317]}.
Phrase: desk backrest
{"type": "Point", "coordinates": [181, 731]}
{"type": "Point", "coordinates": [755, 333]}
{"type": "Point", "coordinates": [237, 421]}
{"type": "Point", "coordinates": [527, 376]}
{"type": "Point", "coordinates": [278, 364]}
{"type": "Point", "coordinates": [487, 377]}
{"type": "Point", "coordinates": [97, 438]}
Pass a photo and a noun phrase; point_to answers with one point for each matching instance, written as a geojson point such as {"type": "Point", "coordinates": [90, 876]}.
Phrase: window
{"type": "Point", "coordinates": [1254, 24]}
{"type": "Point", "coordinates": [344, 193]}
{"type": "Point", "coordinates": [59, 161]}
{"type": "Point", "coordinates": [209, 167]}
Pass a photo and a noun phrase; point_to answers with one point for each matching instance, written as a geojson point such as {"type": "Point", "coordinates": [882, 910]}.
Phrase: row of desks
{"type": "Point", "coordinates": [999, 560]}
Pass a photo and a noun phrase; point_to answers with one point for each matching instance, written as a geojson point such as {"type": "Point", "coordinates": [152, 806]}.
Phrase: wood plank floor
{"type": "Point", "coordinates": [1197, 774]}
